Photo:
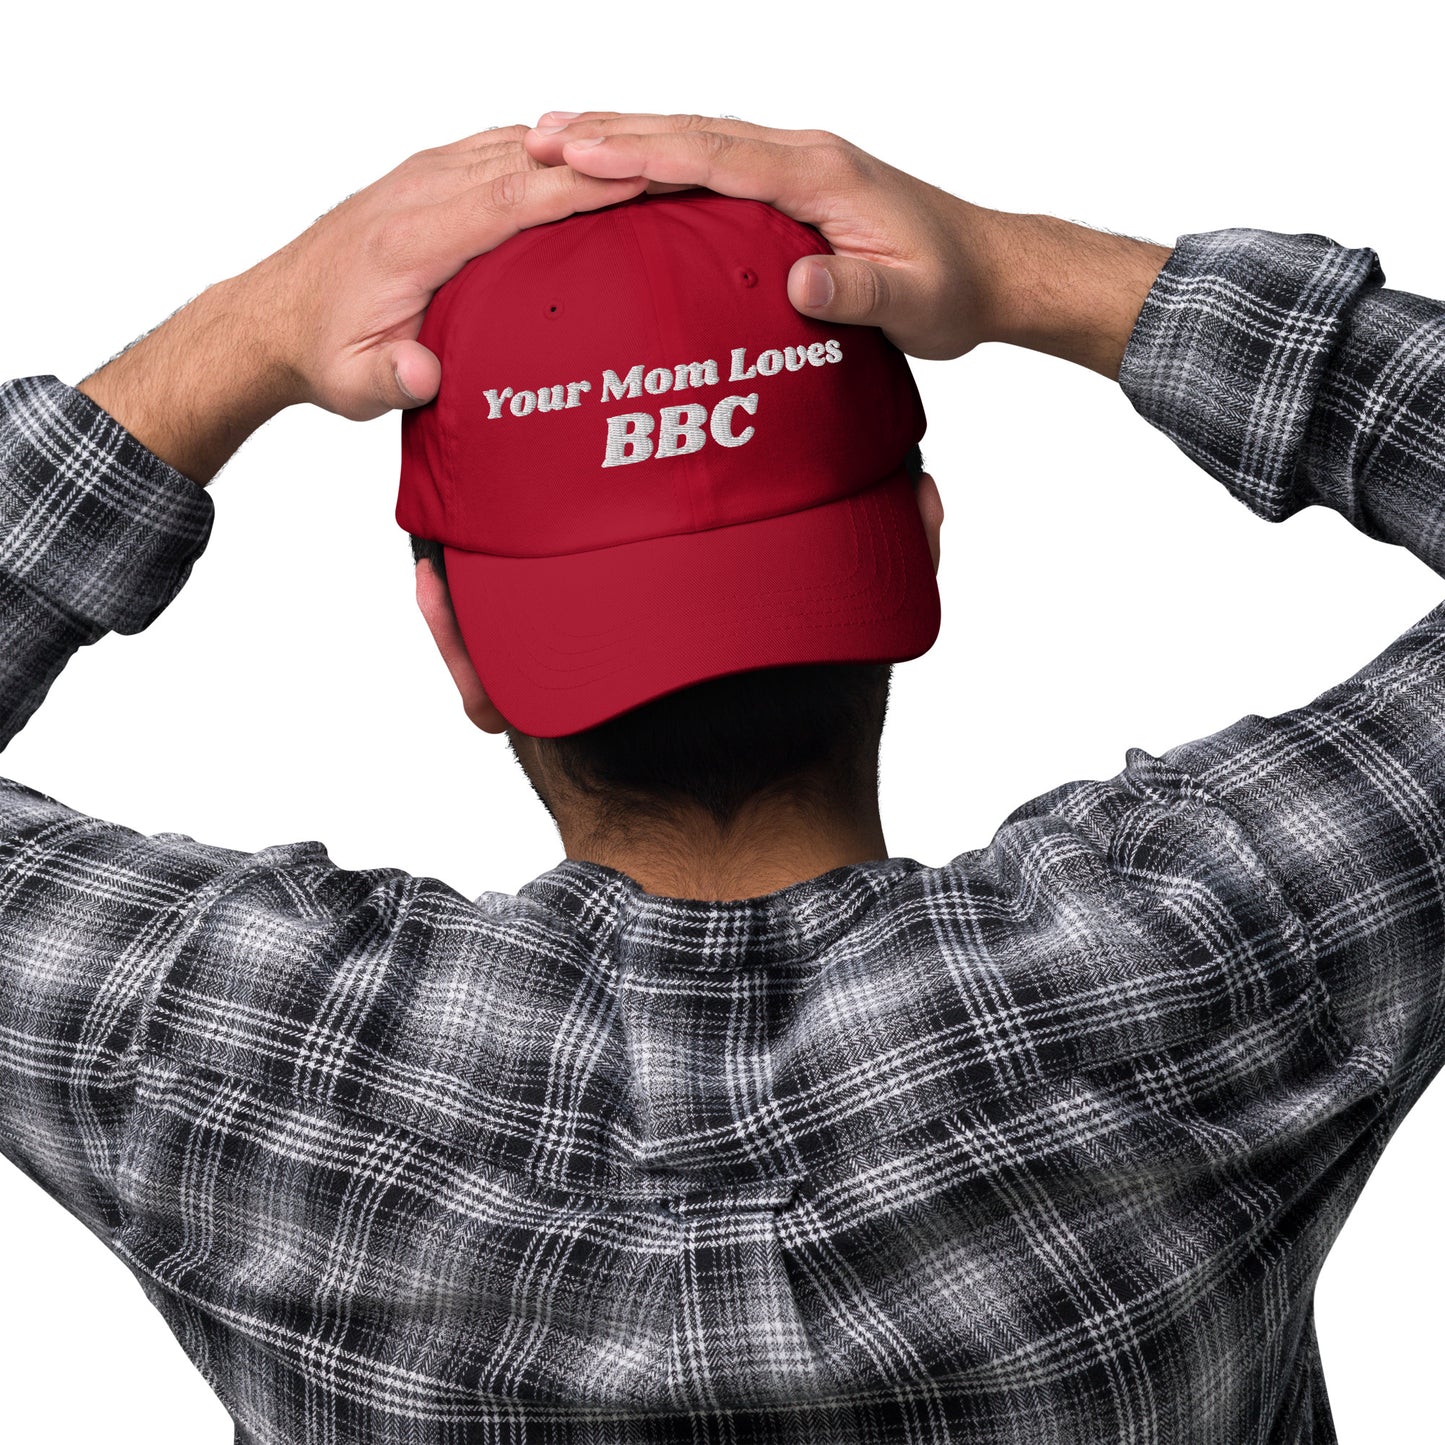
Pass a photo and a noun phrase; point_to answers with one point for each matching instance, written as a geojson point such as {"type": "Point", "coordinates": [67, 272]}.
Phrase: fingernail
{"type": "Point", "coordinates": [402, 388]}
{"type": "Point", "coordinates": [554, 121]}
{"type": "Point", "coordinates": [818, 287]}
{"type": "Point", "coordinates": [585, 142]}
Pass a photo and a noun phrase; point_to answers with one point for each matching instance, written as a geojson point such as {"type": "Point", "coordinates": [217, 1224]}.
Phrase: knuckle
{"type": "Point", "coordinates": [719, 144]}
{"type": "Point", "coordinates": [492, 165]}
{"type": "Point", "coordinates": [479, 170]}
{"type": "Point", "coordinates": [872, 290]}
{"type": "Point", "coordinates": [507, 190]}
{"type": "Point", "coordinates": [507, 132]}
{"type": "Point", "coordinates": [690, 122]}
{"type": "Point", "coordinates": [409, 186]}
{"type": "Point", "coordinates": [395, 235]}
{"type": "Point", "coordinates": [837, 153]}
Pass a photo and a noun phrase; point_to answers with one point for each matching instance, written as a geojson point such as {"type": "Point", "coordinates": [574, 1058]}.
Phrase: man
{"type": "Point", "coordinates": [732, 1126]}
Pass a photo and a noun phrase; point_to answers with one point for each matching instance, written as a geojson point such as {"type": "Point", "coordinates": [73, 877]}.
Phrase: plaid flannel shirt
{"type": "Point", "coordinates": [1046, 1144]}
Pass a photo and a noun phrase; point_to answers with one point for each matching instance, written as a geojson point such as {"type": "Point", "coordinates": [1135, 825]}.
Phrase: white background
{"type": "Point", "coordinates": [1098, 590]}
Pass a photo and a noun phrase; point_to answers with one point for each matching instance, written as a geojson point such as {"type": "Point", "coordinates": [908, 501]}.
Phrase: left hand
{"type": "Point", "coordinates": [938, 274]}
{"type": "Point", "coordinates": [332, 318]}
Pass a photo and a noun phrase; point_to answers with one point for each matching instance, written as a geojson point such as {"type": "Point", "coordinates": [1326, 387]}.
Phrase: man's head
{"type": "Point", "coordinates": [805, 735]}
{"type": "Point", "coordinates": [673, 533]}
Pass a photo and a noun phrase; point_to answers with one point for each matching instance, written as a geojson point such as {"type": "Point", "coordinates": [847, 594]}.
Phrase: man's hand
{"type": "Point", "coordinates": [332, 318]}
{"type": "Point", "coordinates": [937, 274]}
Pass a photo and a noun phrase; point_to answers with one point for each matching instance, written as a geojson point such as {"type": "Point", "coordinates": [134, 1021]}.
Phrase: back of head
{"type": "Point", "coordinates": [676, 518]}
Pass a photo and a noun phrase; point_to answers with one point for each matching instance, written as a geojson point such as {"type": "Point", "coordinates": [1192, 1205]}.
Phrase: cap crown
{"type": "Point", "coordinates": [639, 372]}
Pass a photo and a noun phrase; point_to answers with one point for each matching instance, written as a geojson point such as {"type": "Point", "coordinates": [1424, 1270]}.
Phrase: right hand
{"type": "Point", "coordinates": [910, 259]}
{"type": "Point", "coordinates": [936, 274]}
{"type": "Point", "coordinates": [333, 317]}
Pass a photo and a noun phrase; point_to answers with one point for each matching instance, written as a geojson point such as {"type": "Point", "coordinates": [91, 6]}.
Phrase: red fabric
{"type": "Point", "coordinates": [562, 643]}
{"type": "Point", "coordinates": [588, 579]}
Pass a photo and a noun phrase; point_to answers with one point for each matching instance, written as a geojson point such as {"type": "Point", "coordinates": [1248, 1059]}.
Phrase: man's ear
{"type": "Point", "coordinates": [930, 508]}
{"type": "Point", "coordinates": [436, 606]}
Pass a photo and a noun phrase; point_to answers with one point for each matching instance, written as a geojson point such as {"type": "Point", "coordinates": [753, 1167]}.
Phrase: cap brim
{"type": "Point", "coordinates": [564, 643]}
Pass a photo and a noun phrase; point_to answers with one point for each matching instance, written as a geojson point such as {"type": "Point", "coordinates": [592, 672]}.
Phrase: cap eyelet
{"type": "Point", "coordinates": [552, 310]}
{"type": "Point", "coordinates": [748, 276]}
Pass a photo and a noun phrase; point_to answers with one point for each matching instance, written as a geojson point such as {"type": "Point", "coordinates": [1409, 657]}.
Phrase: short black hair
{"type": "Point", "coordinates": [792, 731]}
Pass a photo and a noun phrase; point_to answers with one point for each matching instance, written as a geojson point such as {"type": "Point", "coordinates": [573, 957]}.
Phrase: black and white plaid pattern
{"type": "Point", "coordinates": [1044, 1146]}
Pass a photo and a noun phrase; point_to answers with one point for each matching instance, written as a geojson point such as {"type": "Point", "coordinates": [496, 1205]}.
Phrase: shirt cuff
{"type": "Point", "coordinates": [1228, 353]}
{"type": "Point", "coordinates": [89, 518]}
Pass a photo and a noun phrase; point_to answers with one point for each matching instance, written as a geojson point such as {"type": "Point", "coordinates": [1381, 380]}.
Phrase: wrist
{"type": "Point", "coordinates": [1065, 289]}
{"type": "Point", "coordinates": [196, 387]}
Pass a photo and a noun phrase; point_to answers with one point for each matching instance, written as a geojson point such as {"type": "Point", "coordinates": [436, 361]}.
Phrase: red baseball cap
{"type": "Point", "coordinates": [648, 469]}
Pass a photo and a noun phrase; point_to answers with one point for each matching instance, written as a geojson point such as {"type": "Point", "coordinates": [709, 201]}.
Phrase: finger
{"type": "Point", "coordinates": [467, 169]}
{"type": "Point", "coordinates": [843, 288]}
{"type": "Point", "coordinates": [545, 142]}
{"type": "Point", "coordinates": [388, 377]}
{"type": "Point", "coordinates": [438, 173]}
{"type": "Point", "coordinates": [605, 122]}
{"type": "Point", "coordinates": [793, 178]}
{"type": "Point", "coordinates": [473, 169]}
{"type": "Point", "coordinates": [415, 372]}
{"type": "Point", "coordinates": [542, 148]}
{"type": "Point", "coordinates": [556, 119]}
{"type": "Point", "coordinates": [448, 169]}
{"type": "Point", "coordinates": [449, 233]}
{"type": "Point", "coordinates": [493, 135]}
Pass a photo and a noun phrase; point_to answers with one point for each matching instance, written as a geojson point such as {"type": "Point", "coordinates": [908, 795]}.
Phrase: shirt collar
{"type": "Point", "coordinates": [612, 910]}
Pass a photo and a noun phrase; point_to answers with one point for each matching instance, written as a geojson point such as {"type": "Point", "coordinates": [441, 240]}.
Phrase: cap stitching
{"type": "Point", "coordinates": [868, 486]}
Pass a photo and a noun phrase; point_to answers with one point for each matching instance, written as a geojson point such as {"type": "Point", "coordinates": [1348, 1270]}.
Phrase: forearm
{"type": "Point", "coordinates": [196, 387]}
{"type": "Point", "coordinates": [1061, 288]}
{"type": "Point", "coordinates": [101, 517]}
{"type": "Point", "coordinates": [1278, 363]}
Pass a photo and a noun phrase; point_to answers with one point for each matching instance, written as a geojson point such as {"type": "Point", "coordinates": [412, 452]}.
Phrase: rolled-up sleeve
{"type": "Point", "coordinates": [96, 535]}
{"type": "Point", "coordinates": [1283, 367]}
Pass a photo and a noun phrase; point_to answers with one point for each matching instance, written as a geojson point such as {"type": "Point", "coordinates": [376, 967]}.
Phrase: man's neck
{"type": "Point", "coordinates": [761, 853]}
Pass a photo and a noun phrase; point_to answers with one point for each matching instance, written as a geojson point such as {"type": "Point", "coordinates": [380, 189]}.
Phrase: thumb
{"type": "Point", "coordinates": [841, 288]}
{"type": "Point", "coordinates": [405, 375]}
